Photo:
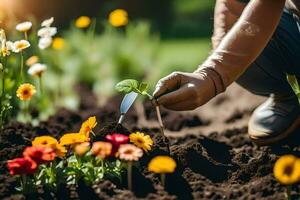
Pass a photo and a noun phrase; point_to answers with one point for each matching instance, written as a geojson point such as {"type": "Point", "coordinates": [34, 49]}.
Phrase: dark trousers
{"type": "Point", "coordinates": [267, 74]}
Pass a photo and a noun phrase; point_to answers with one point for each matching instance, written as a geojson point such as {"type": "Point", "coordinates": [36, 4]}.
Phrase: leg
{"type": "Point", "coordinates": [279, 115]}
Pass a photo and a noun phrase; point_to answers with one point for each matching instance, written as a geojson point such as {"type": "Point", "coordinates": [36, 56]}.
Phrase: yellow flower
{"type": "Point", "coordinates": [141, 140]}
{"type": "Point", "coordinates": [32, 60]}
{"type": "Point", "coordinates": [58, 43]}
{"type": "Point", "coordinates": [60, 150]}
{"type": "Point", "coordinates": [88, 126]}
{"type": "Point", "coordinates": [26, 91]}
{"type": "Point", "coordinates": [118, 17]}
{"type": "Point", "coordinates": [82, 148]}
{"type": "Point", "coordinates": [287, 169]}
{"type": "Point", "coordinates": [162, 165]}
{"type": "Point", "coordinates": [48, 141]}
{"type": "Point", "coordinates": [20, 45]}
{"type": "Point", "coordinates": [83, 22]}
{"type": "Point", "coordinates": [72, 139]}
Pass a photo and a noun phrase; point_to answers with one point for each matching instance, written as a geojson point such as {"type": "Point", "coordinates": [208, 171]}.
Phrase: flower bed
{"type": "Point", "coordinates": [224, 165]}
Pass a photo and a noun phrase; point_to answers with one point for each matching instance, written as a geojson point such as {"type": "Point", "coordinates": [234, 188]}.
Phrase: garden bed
{"type": "Point", "coordinates": [215, 158]}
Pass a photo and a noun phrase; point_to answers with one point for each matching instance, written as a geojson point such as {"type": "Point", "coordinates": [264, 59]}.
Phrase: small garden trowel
{"type": "Point", "coordinates": [126, 104]}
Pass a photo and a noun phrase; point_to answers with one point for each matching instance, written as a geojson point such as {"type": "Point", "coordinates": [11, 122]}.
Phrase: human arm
{"type": "Point", "coordinates": [237, 50]}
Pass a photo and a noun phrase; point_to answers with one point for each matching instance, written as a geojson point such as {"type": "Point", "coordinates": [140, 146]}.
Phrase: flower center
{"type": "Point", "coordinates": [128, 151]}
{"type": "Point", "coordinates": [288, 170]}
{"type": "Point", "coordinates": [140, 141]}
{"type": "Point", "coordinates": [25, 92]}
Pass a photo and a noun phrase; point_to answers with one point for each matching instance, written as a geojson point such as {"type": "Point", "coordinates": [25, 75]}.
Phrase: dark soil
{"type": "Point", "coordinates": [220, 164]}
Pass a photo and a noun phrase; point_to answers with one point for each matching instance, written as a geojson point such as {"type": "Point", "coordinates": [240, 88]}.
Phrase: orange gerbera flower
{"type": "Point", "coordinates": [88, 126]}
{"type": "Point", "coordinates": [26, 91]}
{"type": "Point", "coordinates": [72, 139]}
{"type": "Point", "coordinates": [101, 149]}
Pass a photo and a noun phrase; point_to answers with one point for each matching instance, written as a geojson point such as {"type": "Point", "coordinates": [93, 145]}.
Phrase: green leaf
{"type": "Point", "coordinates": [127, 86]}
{"type": "Point", "coordinates": [292, 79]}
{"type": "Point", "coordinates": [293, 83]}
{"type": "Point", "coordinates": [143, 88]}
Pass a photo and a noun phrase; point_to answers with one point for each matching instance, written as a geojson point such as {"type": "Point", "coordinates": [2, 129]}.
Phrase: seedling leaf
{"type": "Point", "coordinates": [127, 86]}
{"type": "Point", "coordinates": [143, 88]}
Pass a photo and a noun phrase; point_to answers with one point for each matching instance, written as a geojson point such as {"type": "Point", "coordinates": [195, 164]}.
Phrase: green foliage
{"type": "Point", "coordinates": [131, 85]}
{"type": "Point", "coordinates": [292, 79]}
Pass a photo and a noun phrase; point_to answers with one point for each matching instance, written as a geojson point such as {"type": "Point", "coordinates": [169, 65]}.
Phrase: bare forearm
{"type": "Point", "coordinates": [226, 14]}
{"type": "Point", "coordinates": [245, 41]}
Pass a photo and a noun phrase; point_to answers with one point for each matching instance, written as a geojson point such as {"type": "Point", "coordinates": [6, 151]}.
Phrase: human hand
{"type": "Point", "coordinates": [184, 91]}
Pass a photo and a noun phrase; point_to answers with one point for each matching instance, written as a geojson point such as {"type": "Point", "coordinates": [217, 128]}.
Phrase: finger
{"type": "Point", "coordinates": [182, 94]}
{"type": "Point", "coordinates": [167, 84]}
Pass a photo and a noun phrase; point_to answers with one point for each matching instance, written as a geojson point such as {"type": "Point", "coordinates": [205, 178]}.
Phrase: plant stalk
{"type": "Point", "coordinates": [2, 98]}
{"type": "Point", "coordinates": [24, 183]}
{"type": "Point", "coordinates": [129, 175]}
{"type": "Point", "coordinates": [22, 66]}
{"type": "Point", "coordinates": [288, 192]}
{"type": "Point", "coordinates": [163, 179]}
{"type": "Point", "coordinates": [26, 35]}
{"type": "Point", "coordinates": [161, 125]}
{"type": "Point", "coordinates": [41, 85]}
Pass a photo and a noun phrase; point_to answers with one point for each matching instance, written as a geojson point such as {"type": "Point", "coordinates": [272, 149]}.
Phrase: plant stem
{"type": "Point", "coordinates": [25, 35]}
{"type": "Point", "coordinates": [288, 192]}
{"type": "Point", "coordinates": [24, 183]}
{"type": "Point", "coordinates": [161, 125]}
{"type": "Point", "coordinates": [2, 98]}
{"type": "Point", "coordinates": [26, 111]}
{"type": "Point", "coordinates": [163, 179]}
{"type": "Point", "coordinates": [129, 175]}
{"type": "Point", "coordinates": [41, 85]}
{"type": "Point", "coordinates": [22, 66]}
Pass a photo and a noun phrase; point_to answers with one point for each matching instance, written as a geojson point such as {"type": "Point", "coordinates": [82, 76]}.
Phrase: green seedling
{"type": "Point", "coordinates": [130, 85]}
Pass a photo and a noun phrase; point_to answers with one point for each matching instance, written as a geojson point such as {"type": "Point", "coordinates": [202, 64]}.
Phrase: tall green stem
{"type": "Point", "coordinates": [22, 66]}
{"type": "Point", "coordinates": [24, 183]}
{"type": "Point", "coordinates": [41, 85]}
{"type": "Point", "coordinates": [163, 179]}
{"type": "Point", "coordinates": [288, 192]}
{"type": "Point", "coordinates": [26, 35]}
{"type": "Point", "coordinates": [129, 175]}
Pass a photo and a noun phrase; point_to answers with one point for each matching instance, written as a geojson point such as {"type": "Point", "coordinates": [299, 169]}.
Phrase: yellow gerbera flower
{"type": "Point", "coordinates": [58, 43]}
{"type": "Point", "coordinates": [32, 60]}
{"type": "Point", "coordinates": [162, 165]}
{"type": "Point", "coordinates": [118, 17]}
{"type": "Point", "coordinates": [60, 150]}
{"type": "Point", "coordinates": [83, 22]}
{"type": "Point", "coordinates": [141, 140]}
{"type": "Point", "coordinates": [287, 169]}
{"type": "Point", "coordinates": [26, 91]}
{"type": "Point", "coordinates": [46, 141]}
{"type": "Point", "coordinates": [88, 126]}
{"type": "Point", "coordinates": [72, 138]}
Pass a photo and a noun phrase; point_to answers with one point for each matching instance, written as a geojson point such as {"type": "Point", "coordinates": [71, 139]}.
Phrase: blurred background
{"type": "Point", "coordinates": [156, 38]}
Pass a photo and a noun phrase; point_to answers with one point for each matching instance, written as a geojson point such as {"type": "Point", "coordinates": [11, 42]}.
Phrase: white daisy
{"type": "Point", "coordinates": [37, 69]}
{"type": "Point", "coordinates": [20, 45]}
{"type": "Point", "coordinates": [45, 42]}
{"type": "Point", "coordinates": [47, 32]}
{"type": "Point", "coordinates": [47, 22]}
{"type": "Point", "coordinates": [24, 26]}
